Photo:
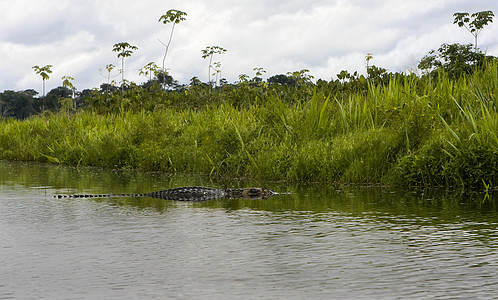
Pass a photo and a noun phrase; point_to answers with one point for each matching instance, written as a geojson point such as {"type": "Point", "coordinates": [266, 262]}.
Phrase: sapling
{"type": "Point", "coordinates": [68, 104]}
{"type": "Point", "coordinates": [209, 52]}
{"type": "Point", "coordinates": [216, 71]}
{"type": "Point", "coordinates": [172, 16]}
{"type": "Point", "coordinates": [109, 69]}
{"type": "Point", "coordinates": [43, 72]}
{"type": "Point", "coordinates": [124, 49]}
{"type": "Point", "coordinates": [475, 23]}
{"type": "Point", "coordinates": [149, 70]}
{"type": "Point", "coordinates": [67, 82]}
{"type": "Point", "coordinates": [259, 71]}
{"type": "Point", "coordinates": [368, 58]}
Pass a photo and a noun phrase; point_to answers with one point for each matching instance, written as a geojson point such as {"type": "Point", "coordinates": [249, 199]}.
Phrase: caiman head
{"type": "Point", "coordinates": [257, 193]}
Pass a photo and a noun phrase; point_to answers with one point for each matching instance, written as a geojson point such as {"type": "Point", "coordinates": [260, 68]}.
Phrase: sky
{"type": "Point", "coordinates": [323, 36]}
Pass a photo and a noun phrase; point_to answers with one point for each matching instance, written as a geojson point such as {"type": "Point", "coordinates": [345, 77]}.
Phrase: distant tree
{"type": "Point", "coordinates": [109, 85]}
{"type": "Point", "coordinates": [109, 69]}
{"type": "Point", "coordinates": [244, 78]}
{"type": "Point", "coordinates": [216, 71]}
{"type": "Point", "coordinates": [475, 23]}
{"type": "Point", "coordinates": [282, 79]}
{"type": "Point", "coordinates": [257, 78]}
{"type": "Point", "coordinates": [124, 50]}
{"type": "Point", "coordinates": [344, 76]}
{"type": "Point", "coordinates": [455, 59]}
{"type": "Point", "coordinates": [31, 93]}
{"type": "Point", "coordinates": [259, 71]}
{"type": "Point", "coordinates": [172, 16]}
{"type": "Point", "coordinates": [67, 103]}
{"type": "Point", "coordinates": [106, 88]}
{"type": "Point", "coordinates": [209, 52]}
{"type": "Point", "coordinates": [223, 82]}
{"type": "Point", "coordinates": [377, 75]}
{"type": "Point", "coordinates": [166, 81]}
{"type": "Point", "coordinates": [4, 108]}
{"type": "Point", "coordinates": [67, 82]}
{"type": "Point", "coordinates": [19, 105]}
{"type": "Point", "coordinates": [194, 81]}
{"type": "Point", "coordinates": [302, 77]}
{"type": "Point", "coordinates": [255, 82]}
{"type": "Point", "coordinates": [368, 58]}
{"type": "Point", "coordinates": [149, 70]}
{"type": "Point", "coordinates": [52, 99]}
{"type": "Point", "coordinates": [43, 72]}
{"type": "Point", "coordinates": [81, 97]}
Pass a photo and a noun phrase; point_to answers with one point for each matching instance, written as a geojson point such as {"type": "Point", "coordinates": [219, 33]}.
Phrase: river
{"type": "Point", "coordinates": [319, 242]}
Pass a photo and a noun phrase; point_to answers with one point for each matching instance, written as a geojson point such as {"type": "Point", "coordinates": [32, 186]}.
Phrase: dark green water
{"type": "Point", "coordinates": [320, 242]}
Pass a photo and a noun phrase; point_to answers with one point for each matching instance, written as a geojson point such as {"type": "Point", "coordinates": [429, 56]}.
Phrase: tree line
{"type": "Point", "coordinates": [162, 89]}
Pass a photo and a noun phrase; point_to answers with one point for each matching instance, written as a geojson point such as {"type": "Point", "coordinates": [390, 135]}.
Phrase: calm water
{"type": "Point", "coordinates": [318, 243]}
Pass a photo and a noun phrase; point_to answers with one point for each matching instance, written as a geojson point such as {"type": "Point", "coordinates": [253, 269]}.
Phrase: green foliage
{"type": "Point", "coordinates": [109, 69]}
{"type": "Point", "coordinates": [368, 58]}
{"type": "Point", "coordinates": [463, 151]}
{"type": "Point", "coordinates": [475, 23]}
{"type": "Point", "coordinates": [209, 52]}
{"type": "Point", "coordinates": [19, 105]}
{"type": "Point", "coordinates": [149, 70]}
{"type": "Point", "coordinates": [67, 82]}
{"type": "Point", "coordinates": [124, 50]}
{"type": "Point", "coordinates": [439, 129]}
{"type": "Point", "coordinates": [410, 130]}
{"type": "Point", "coordinates": [43, 72]}
{"type": "Point", "coordinates": [455, 59]}
{"type": "Point", "coordinates": [171, 16]}
{"type": "Point", "coordinates": [51, 101]}
{"type": "Point", "coordinates": [66, 105]}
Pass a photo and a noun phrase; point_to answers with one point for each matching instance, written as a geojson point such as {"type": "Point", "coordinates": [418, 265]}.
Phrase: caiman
{"type": "Point", "coordinates": [190, 193]}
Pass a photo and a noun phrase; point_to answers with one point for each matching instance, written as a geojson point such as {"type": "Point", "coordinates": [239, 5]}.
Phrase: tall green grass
{"type": "Point", "coordinates": [411, 131]}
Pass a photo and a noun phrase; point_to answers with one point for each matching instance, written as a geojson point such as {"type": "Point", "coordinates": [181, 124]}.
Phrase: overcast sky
{"type": "Point", "coordinates": [324, 36]}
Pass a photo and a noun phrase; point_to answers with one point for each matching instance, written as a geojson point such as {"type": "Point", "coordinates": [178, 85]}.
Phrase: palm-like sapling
{"type": "Point", "coordinates": [124, 49]}
{"type": "Point", "coordinates": [475, 23]}
{"type": "Point", "coordinates": [172, 16]}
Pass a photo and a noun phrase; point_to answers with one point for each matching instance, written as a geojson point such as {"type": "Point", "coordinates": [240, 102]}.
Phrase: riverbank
{"type": "Point", "coordinates": [408, 132]}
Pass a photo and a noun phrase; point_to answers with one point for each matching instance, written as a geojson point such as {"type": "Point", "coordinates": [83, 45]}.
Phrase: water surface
{"type": "Point", "coordinates": [320, 242]}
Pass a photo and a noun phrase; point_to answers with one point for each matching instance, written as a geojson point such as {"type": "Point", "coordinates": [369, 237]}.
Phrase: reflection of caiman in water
{"type": "Point", "coordinates": [190, 193]}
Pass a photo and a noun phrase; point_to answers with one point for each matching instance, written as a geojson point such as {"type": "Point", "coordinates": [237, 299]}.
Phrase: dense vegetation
{"type": "Point", "coordinates": [407, 130]}
{"type": "Point", "coordinates": [438, 129]}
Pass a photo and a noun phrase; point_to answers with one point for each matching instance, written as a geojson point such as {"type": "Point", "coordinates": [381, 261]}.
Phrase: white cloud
{"type": "Point", "coordinates": [320, 35]}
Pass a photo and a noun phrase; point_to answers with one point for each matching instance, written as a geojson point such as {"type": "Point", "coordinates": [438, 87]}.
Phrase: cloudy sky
{"type": "Point", "coordinates": [324, 36]}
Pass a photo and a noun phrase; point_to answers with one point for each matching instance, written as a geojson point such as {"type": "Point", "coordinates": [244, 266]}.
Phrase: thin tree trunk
{"type": "Point", "coordinates": [209, 69]}
{"type": "Point", "coordinates": [43, 98]}
{"type": "Point", "coordinates": [167, 46]}
{"type": "Point", "coordinates": [122, 77]}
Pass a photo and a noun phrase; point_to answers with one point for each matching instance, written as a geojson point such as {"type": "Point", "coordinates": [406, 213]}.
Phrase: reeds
{"type": "Point", "coordinates": [411, 131]}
